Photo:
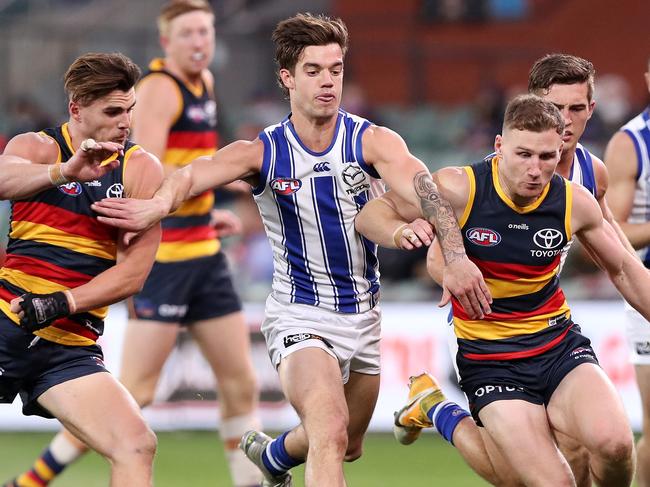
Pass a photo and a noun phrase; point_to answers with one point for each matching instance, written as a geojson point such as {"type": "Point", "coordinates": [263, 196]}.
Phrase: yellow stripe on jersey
{"type": "Point", "coordinates": [50, 333]}
{"type": "Point", "coordinates": [38, 285]}
{"type": "Point", "coordinates": [36, 232]}
{"type": "Point", "coordinates": [201, 205]}
{"type": "Point", "coordinates": [63, 337]}
{"type": "Point", "coordinates": [182, 157]}
{"type": "Point", "coordinates": [498, 330]}
{"type": "Point", "coordinates": [470, 199]}
{"type": "Point", "coordinates": [127, 156]}
{"type": "Point", "coordinates": [506, 288]}
{"type": "Point", "coordinates": [519, 209]}
{"type": "Point", "coordinates": [567, 210]}
{"type": "Point", "coordinates": [175, 251]}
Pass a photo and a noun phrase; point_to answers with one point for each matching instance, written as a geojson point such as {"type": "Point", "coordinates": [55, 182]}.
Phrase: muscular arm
{"type": "Point", "coordinates": [25, 163]}
{"type": "Point", "coordinates": [238, 160]}
{"type": "Point", "coordinates": [143, 176]}
{"type": "Point", "coordinates": [157, 108]}
{"type": "Point", "coordinates": [410, 179]}
{"type": "Point", "coordinates": [602, 184]}
{"type": "Point", "coordinates": [601, 242]}
{"type": "Point", "coordinates": [621, 161]}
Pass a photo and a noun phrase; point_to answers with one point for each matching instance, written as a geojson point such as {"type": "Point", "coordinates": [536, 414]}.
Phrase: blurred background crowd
{"type": "Point", "coordinates": [439, 72]}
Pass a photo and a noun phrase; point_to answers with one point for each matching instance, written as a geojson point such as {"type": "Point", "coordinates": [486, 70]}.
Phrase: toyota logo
{"type": "Point", "coordinates": [115, 191]}
{"type": "Point", "coordinates": [547, 238]}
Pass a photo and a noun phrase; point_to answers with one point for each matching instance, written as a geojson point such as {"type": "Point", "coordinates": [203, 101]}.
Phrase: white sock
{"type": "Point", "coordinates": [63, 450]}
{"type": "Point", "coordinates": [242, 470]}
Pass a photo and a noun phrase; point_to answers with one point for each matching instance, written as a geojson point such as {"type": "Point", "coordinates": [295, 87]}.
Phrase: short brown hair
{"type": "Point", "coordinates": [292, 35]}
{"type": "Point", "coordinates": [95, 75]}
{"type": "Point", "coordinates": [532, 113]}
{"type": "Point", "coordinates": [562, 69]}
{"type": "Point", "coordinates": [175, 8]}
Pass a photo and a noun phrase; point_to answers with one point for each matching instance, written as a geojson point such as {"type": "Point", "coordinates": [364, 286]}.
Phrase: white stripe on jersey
{"type": "Point", "coordinates": [308, 202]}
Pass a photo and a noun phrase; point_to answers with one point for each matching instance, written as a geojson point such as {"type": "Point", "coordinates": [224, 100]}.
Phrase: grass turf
{"type": "Point", "coordinates": [195, 458]}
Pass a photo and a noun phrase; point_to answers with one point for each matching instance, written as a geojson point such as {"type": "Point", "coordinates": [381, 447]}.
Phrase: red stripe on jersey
{"type": "Point", "coordinates": [46, 270]}
{"type": "Point", "coordinates": [64, 220]}
{"type": "Point", "coordinates": [554, 303]}
{"type": "Point", "coordinates": [502, 270]}
{"type": "Point", "coordinates": [36, 479]}
{"type": "Point", "coordinates": [6, 295]}
{"type": "Point", "coordinates": [70, 326]}
{"type": "Point", "coordinates": [192, 140]}
{"type": "Point", "coordinates": [188, 234]}
{"type": "Point", "coordinates": [521, 354]}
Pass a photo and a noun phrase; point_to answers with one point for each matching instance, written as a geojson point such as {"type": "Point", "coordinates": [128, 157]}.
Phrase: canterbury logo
{"type": "Point", "coordinates": [321, 167]}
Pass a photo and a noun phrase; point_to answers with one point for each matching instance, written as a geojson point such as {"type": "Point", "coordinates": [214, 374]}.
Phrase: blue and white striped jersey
{"type": "Point", "coordinates": [308, 202]}
{"type": "Point", "coordinates": [639, 130]}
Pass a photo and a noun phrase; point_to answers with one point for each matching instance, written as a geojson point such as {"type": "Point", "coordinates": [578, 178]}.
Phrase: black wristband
{"type": "Point", "coordinates": [39, 310]}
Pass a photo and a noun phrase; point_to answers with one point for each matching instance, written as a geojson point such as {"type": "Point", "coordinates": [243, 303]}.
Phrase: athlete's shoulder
{"type": "Point", "coordinates": [37, 147]}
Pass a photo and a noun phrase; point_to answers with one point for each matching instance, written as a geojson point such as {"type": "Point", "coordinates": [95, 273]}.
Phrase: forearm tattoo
{"type": "Point", "coordinates": [440, 214]}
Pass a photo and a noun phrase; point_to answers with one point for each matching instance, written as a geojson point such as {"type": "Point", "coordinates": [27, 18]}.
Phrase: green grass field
{"type": "Point", "coordinates": [195, 459]}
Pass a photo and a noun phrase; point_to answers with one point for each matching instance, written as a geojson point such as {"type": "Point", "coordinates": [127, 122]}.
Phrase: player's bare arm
{"type": "Point", "coordinates": [621, 160]}
{"type": "Point", "coordinates": [392, 222]}
{"type": "Point", "coordinates": [601, 242]}
{"type": "Point", "coordinates": [28, 165]}
{"type": "Point", "coordinates": [239, 160]}
{"type": "Point", "coordinates": [408, 177]}
{"type": "Point", "coordinates": [159, 104]}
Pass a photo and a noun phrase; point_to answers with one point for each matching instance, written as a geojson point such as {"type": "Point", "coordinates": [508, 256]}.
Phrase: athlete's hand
{"type": "Point", "coordinates": [463, 280]}
{"type": "Point", "coordinates": [225, 222]}
{"type": "Point", "coordinates": [37, 311]}
{"type": "Point", "coordinates": [414, 235]}
{"type": "Point", "coordinates": [133, 215]}
{"type": "Point", "coordinates": [92, 160]}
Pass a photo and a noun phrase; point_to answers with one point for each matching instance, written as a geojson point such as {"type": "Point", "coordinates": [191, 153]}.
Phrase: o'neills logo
{"type": "Point", "coordinates": [301, 337]}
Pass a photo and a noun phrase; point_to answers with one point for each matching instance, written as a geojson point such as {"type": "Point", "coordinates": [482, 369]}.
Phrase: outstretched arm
{"type": "Point", "coordinates": [238, 160]}
{"type": "Point", "coordinates": [391, 222]}
{"type": "Point", "coordinates": [601, 242]}
{"type": "Point", "coordinates": [28, 167]}
{"type": "Point", "coordinates": [410, 179]}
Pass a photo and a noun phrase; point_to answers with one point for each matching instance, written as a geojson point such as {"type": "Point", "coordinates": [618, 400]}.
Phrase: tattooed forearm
{"type": "Point", "coordinates": [440, 214]}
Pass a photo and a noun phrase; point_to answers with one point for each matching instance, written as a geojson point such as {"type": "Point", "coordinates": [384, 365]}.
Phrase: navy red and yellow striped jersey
{"type": "Point", "coordinates": [518, 250]}
{"type": "Point", "coordinates": [57, 243]}
{"type": "Point", "coordinates": [187, 233]}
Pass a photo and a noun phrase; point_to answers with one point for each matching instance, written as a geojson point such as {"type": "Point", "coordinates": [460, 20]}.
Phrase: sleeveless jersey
{"type": "Point", "coordinates": [187, 233]}
{"type": "Point", "coordinates": [56, 243]}
{"type": "Point", "coordinates": [639, 130]}
{"type": "Point", "coordinates": [518, 250]}
{"type": "Point", "coordinates": [308, 202]}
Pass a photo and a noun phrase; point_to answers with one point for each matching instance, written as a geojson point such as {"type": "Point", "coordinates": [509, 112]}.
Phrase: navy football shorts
{"type": "Point", "coordinates": [30, 367]}
{"type": "Point", "coordinates": [532, 379]}
{"type": "Point", "coordinates": [187, 291]}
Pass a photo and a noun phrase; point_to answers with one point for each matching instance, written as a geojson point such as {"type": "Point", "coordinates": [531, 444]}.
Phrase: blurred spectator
{"type": "Point", "coordinates": [26, 115]}
{"type": "Point", "coordinates": [486, 121]}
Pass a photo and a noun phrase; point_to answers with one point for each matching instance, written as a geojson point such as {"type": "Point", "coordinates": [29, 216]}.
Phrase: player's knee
{"type": "Point", "coordinates": [136, 446]}
{"type": "Point", "coordinates": [240, 391]}
{"type": "Point", "coordinates": [617, 448]}
{"type": "Point", "coordinates": [354, 451]}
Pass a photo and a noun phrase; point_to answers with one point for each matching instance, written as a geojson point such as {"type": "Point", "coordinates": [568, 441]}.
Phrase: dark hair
{"type": "Point", "coordinates": [292, 35]}
{"type": "Point", "coordinates": [562, 69]}
{"type": "Point", "coordinates": [532, 113]}
{"type": "Point", "coordinates": [175, 8]}
{"type": "Point", "coordinates": [95, 75]}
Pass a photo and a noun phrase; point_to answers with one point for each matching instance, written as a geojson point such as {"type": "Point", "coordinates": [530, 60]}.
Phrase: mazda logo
{"type": "Point", "coordinates": [547, 238]}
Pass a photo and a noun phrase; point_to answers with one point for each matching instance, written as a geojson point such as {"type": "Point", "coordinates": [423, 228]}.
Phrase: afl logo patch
{"type": "Point", "coordinates": [71, 189]}
{"type": "Point", "coordinates": [483, 236]}
{"type": "Point", "coordinates": [285, 185]}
